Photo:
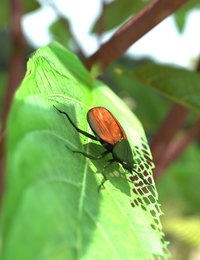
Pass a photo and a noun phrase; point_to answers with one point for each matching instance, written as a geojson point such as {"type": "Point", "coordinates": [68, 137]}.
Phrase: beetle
{"type": "Point", "coordinates": [108, 131]}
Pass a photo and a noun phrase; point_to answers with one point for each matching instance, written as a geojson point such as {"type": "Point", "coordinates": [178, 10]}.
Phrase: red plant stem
{"type": "Point", "coordinates": [133, 30]}
{"type": "Point", "coordinates": [166, 132]}
{"type": "Point", "coordinates": [17, 60]}
{"type": "Point", "coordinates": [166, 149]}
{"type": "Point", "coordinates": [175, 149]}
{"type": "Point", "coordinates": [15, 72]}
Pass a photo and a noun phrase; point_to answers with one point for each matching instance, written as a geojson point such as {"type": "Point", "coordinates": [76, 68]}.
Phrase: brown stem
{"type": "Point", "coordinates": [175, 149]}
{"type": "Point", "coordinates": [17, 60]}
{"type": "Point", "coordinates": [133, 30]}
{"type": "Point", "coordinates": [166, 132]}
{"type": "Point", "coordinates": [165, 148]}
{"type": "Point", "coordinates": [16, 68]}
{"type": "Point", "coordinates": [198, 66]}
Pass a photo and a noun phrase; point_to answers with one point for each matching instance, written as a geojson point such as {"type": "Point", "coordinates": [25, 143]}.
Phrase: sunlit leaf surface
{"type": "Point", "coordinates": [51, 207]}
{"type": "Point", "coordinates": [180, 85]}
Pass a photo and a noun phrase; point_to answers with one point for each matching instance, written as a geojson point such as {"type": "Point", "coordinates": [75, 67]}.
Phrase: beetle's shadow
{"type": "Point", "coordinates": [114, 172]}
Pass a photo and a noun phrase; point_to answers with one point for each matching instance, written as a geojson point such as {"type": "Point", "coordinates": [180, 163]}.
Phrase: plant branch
{"type": "Point", "coordinates": [165, 148]}
{"type": "Point", "coordinates": [166, 132]}
{"type": "Point", "coordinates": [175, 149]}
{"type": "Point", "coordinates": [133, 30]}
{"type": "Point", "coordinates": [16, 68]}
{"type": "Point", "coordinates": [17, 60]}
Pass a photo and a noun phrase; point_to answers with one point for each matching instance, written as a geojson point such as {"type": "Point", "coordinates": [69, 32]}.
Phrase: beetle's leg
{"type": "Point", "coordinates": [77, 129]}
{"type": "Point", "coordinates": [109, 162]}
{"type": "Point", "coordinates": [91, 156]}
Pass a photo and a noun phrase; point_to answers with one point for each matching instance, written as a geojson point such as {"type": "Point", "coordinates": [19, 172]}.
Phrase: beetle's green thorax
{"type": "Point", "coordinates": [122, 153]}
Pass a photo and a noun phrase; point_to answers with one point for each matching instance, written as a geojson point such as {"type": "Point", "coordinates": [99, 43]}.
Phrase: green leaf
{"type": "Point", "coordinates": [51, 207]}
{"type": "Point", "coordinates": [180, 85]}
{"type": "Point", "coordinates": [181, 219]}
{"type": "Point", "coordinates": [181, 14]}
{"type": "Point", "coordinates": [28, 6]}
{"type": "Point", "coordinates": [117, 12]}
{"type": "Point", "coordinates": [61, 32]}
{"type": "Point", "coordinates": [184, 181]}
{"type": "Point", "coordinates": [143, 101]}
{"type": "Point", "coordinates": [185, 229]}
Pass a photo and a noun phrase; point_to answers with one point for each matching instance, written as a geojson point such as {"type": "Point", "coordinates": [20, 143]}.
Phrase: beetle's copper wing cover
{"type": "Point", "coordinates": [105, 125]}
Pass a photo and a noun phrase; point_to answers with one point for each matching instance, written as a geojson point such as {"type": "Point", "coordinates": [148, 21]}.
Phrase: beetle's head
{"type": "Point", "coordinates": [122, 153]}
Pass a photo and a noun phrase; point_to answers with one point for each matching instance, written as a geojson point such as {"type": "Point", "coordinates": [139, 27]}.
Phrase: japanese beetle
{"type": "Point", "coordinates": [108, 131]}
